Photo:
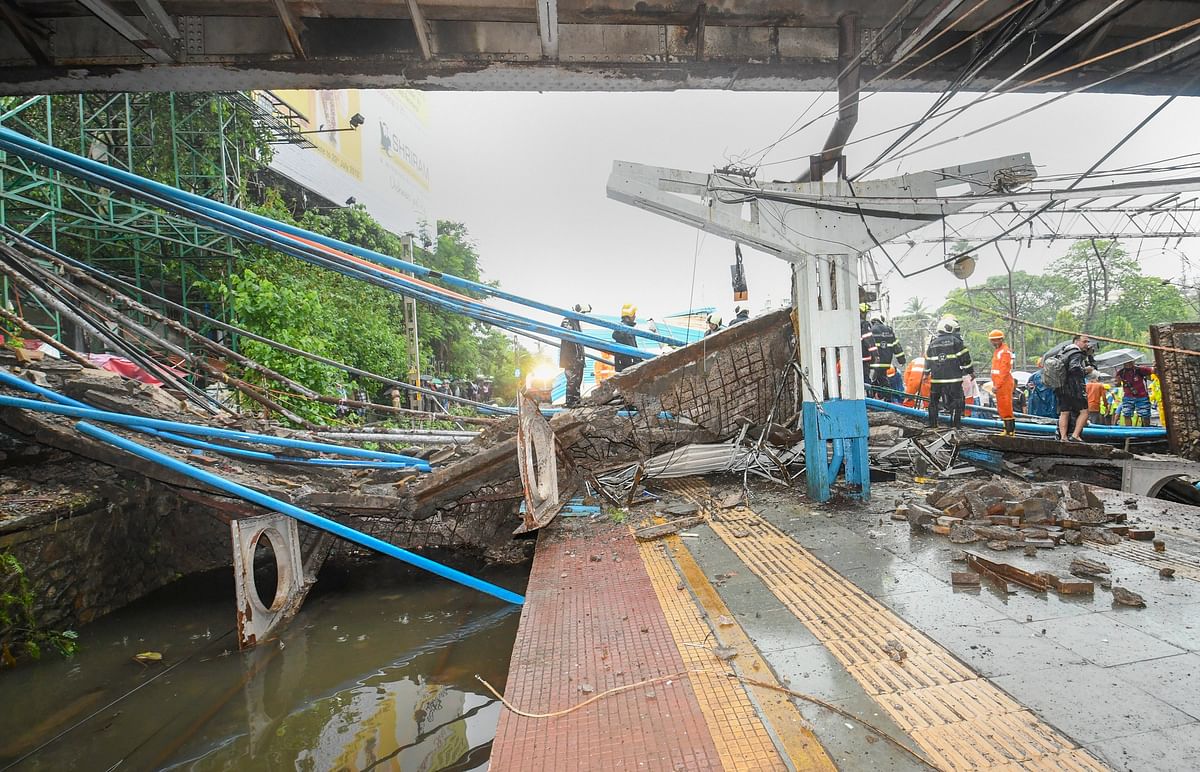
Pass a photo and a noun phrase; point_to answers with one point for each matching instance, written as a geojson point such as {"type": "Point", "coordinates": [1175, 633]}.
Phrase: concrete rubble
{"type": "Point", "coordinates": [1001, 515]}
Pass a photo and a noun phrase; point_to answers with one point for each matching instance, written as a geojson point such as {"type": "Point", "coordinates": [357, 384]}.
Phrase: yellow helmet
{"type": "Point", "coordinates": [629, 310]}
{"type": "Point", "coordinates": [864, 307]}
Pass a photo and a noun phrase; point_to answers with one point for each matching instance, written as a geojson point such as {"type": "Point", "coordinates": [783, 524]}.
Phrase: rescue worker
{"type": "Point", "coordinates": [714, 324]}
{"type": "Point", "coordinates": [896, 384]}
{"type": "Point", "coordinates": [949, 365]}
{"type": "Point", "coordinates": [1042, 401]}
{"type": "Point", "coordinates": [1096, 392]}
{"type": "Point", "coordinates": [570, 356]}
{"type": "Point", "coordinates": [916, 382]}
{"type": "Point", "coordinates": [887, 350]}
{"type": "Point", "coordinates": [1002, 381]}
{"type": "Point", "coordinates": [626, 338]}
{"type": "Point", "coordinates": [1156, 400]}
{"type": "Point", "coordinates": [1134, 380]}
{"type": "Point", "coordinates": [868, 341]}
{"type": "Point", "coordinates": [740, 314]}
{"type": "Point", "coordinates": [1072, 396]}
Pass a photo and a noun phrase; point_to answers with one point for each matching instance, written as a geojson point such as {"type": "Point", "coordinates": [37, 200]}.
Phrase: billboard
{"type": "Point", "coordinates": [382, 164]}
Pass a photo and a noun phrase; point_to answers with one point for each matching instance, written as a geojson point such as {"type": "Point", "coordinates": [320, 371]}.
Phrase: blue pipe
{"type": "Point", "coordinates": [303, 515]}
{"type": "Point", "coordinates": [1107, 433]}
{"type": "Point", "coordinates": [271, 238]}
{"type": "Point", "coordinates": [839, 454]}
{"type": "Point", "coordinates": [140, 422]}
{"type": "Point", "coordinates": [213, 207]}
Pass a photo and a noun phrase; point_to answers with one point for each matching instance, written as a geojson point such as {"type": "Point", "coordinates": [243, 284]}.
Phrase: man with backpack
{"type": "Point", "coordinates": [948, 363]}
{"type": "Point", "coordinates": [1066, 372]}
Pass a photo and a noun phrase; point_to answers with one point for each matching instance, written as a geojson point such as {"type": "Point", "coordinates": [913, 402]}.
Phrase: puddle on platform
{"type": "Point", "coordinates": [377, 672]}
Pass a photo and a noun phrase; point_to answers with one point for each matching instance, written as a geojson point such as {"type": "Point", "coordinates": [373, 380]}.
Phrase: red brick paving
{"type": "Point", "coordinates": [596, 624]}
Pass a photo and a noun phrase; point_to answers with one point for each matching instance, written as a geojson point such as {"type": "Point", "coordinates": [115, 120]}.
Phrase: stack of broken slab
{"type": "Point", "coordinates": [1005, 515]}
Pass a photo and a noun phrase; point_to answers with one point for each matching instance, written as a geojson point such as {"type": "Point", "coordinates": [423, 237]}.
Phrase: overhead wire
{"type": "Point", "coordinates": [956, 110]}
{"type": "Point", "coordinates": [1016, 74]}
{"type": "Point", "coordinates": [855, 61]}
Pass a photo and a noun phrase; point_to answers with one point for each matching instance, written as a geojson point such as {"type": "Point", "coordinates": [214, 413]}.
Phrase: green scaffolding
{"type": "Point", "coordinates": [204, 143]}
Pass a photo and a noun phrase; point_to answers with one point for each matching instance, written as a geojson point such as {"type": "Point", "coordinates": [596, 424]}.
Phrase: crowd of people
{"type": "Point", "coordinates": [1066, 386]}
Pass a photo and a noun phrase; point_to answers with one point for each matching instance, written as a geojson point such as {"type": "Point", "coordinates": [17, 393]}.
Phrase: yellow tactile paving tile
{"type": "Point", "coordinates": [741, 740]}
{"type": "Point", "coordinates": [1186, 567]}
{"type": "Point", "coordinates": [960, 719]}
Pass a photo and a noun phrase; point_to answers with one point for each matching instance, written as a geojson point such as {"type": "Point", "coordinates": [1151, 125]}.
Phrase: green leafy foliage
{"type": "Point", "coordinates": [320, 311]}
{"type": "Point", "coordinates": [1094, 286]}
{"type": "Point", "coordinates": [20, 632]}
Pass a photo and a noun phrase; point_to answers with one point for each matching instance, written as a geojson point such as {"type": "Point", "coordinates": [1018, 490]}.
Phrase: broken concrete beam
{"type": "Point", "coordinates": [1074, 538]}
{"type": "Point", "coordinates": [901, 513]}
{"type": "Point", "coordinates": [1128, 597]}
{"type": "Point", "coordinates": [1042, 544]}
{"type": "Point", "coordinates": [650, 533]}
{"type": "Point", "coordinates": [1008, 572]}
{"type": "Point", "coordinates": [1085, 567]}
{"type": "Point", "coordinates": [948, 521]}
{"type": "Point", "coordinates": [1008, 520]}
{"type": "Point", "coordinates": [1141, 534]}
{"type": "Point", "coordinates": [1069, 586]}
{"type": "Point", "coordinates": [998, 546]}
{"type": "Point", "coordinates": [964, 578]}
{"type": "Point", "coordinates": [941, 530]}
{"type": "Point", "coordinates": [1034, 510]}
{"type": "Point", "coordinates": [1099, 535]}
{"type": "Point", "coordinates": [959, 509]}
{"type": "Point", "coordinates": [962, 534]}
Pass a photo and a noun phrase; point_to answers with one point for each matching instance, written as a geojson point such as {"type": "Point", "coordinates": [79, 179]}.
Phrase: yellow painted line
{"type": "Point", "coordinates": [741, 740]}
{"type": "Point", "coordinates": [794, 733]}
{"type": "Point", "coordinates": [960, 719]}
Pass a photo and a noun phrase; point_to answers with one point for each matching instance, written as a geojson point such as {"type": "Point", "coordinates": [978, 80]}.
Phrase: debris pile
{"type": "Point", "coordinates": [1002, 515]}
{"type": "Point", "coordinates": [1006, 515]}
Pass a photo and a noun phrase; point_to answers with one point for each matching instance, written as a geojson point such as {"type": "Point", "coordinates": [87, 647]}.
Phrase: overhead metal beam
{"type": "Point", "coordinates": [17, 22]}
{"type": "Point", "coordinates": [422, 29]}
{"type": "Point", "coordinates": [108, 14]}
{"type": "Point", "coordinates": [158, 17]}
{"type": "Point", "coordinates": [547, 16]}
{"type": "Point", "coordinates": [927, 25]}
{"type": "Point", "coordinates": [291, 25]}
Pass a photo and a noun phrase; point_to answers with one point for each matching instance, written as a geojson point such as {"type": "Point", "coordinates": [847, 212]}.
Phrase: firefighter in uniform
{"type": "Point", "coordinates": [868, 341]}
{"type": "Point", "coordinates": [570, 357]}
{"type": "Point", "coordinates": [626, 338]}
{"type": "Point", "coordinates": [948, 363]}
{"type": "Point", "coordinates": [1002, 381]}
{"type": "Point", "coordinates": [887, 350]}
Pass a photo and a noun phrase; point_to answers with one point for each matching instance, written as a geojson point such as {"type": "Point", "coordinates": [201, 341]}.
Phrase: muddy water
{"type": "Point", "coordinates": [377, 672]}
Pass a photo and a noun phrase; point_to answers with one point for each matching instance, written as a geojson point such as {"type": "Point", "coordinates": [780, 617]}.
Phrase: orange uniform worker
{"type": "Point", "coordinates": [1002, 380]}
{"type": "Point", "coordinates": [916, 382]}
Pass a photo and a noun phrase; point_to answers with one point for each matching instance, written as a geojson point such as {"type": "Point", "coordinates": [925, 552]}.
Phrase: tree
{"type": "Point", "coordinates": [914, 326]}
{"type": "Point", "coordinates": [1096, 271]}
{"type": "Point", "coordinates": [1025, 296]}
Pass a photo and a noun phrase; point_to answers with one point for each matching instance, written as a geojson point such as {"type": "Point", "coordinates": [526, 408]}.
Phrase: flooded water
{"type": "Point", "coordinates": [377, 672]}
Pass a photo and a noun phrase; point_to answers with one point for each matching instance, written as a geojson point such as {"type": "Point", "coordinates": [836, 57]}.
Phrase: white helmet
{"type": "Point", "coordinates": [947, 324]}
{"type": "Point", "coordinates": [714, 319]}
{"type": "Point", "coordinates": [876, 319]}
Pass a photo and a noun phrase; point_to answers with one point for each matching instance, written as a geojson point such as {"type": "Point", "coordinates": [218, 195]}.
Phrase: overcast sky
{"type": "Point", "coordinates": [526, 173]}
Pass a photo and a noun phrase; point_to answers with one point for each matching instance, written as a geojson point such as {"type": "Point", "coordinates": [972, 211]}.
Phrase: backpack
{"type": "Point", "coordinates": [1054, 370]}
